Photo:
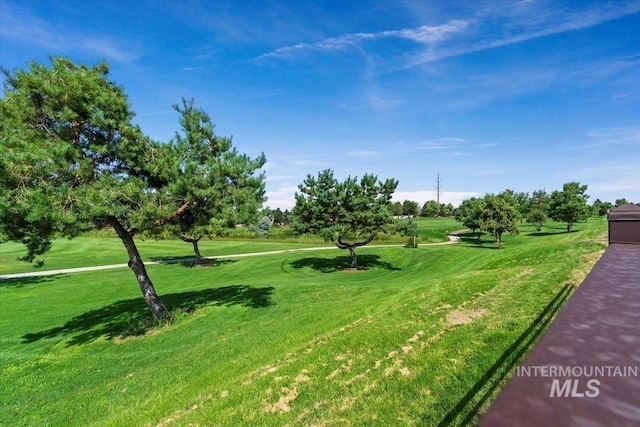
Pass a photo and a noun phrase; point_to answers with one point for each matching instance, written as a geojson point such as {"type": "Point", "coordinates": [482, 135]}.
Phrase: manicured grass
{"type": "Point", "coordinates": [88, 251]}
{"type": "Point", "coordinates": [103, 248]}
{"type": "Point", "coordinates": [422, 337]}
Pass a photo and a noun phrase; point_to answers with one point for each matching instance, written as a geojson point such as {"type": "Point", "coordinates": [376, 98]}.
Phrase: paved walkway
{"type": "Point", "coordinates": [452, 239]}
{"type": "Point", "coordinates": [584, 371]}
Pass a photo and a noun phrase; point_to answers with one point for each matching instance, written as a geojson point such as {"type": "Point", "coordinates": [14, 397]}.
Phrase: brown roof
{"type": "Point", "coordinates": [625, 213]}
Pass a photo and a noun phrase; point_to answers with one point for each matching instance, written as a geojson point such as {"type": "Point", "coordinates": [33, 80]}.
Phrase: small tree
{"type": "Point", "coordinates": [408, 228]}
{"type": "Point", "coordinates": [600, 208]}
{"type": "Point", "coordinates": [348, 213]}
{"type": "Point", "coordinates": [570, 204]}
{"type": "Point", "coordinates": [447, 210]}
{"type": "Point", "coordinates": [410, 208]}
{"type": "Point", "coordinates": [537, 217]}
{"type": "Point", "coordinates": [263, 229]}
{"type": "Point", "coordinates": [468, 213]}
{"type": "Point", "coordinates": [398, 209]}
{"type": "Point", "coordinates": [498, 217]}
{"type": "Point", "coordinates": [519, 201]}
{"type": "Point", "coordinates": [223, 185]}
{"type": "Point", "coordinates": [536, 210]}
{"type": "Point", "coordinates": [431, 209]}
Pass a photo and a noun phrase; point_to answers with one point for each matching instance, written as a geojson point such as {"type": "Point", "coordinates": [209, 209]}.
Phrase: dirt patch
{"type": "Point", "coordinates": [341, 369]}
{"type": "Point", "coordinates": [463, 317]}
{"type": "Point", "coordinates": [353, 270]}
{"type": "Point", "coordinates": [282, 405]}
{"type": "Point", "coordinates": [416, 337]}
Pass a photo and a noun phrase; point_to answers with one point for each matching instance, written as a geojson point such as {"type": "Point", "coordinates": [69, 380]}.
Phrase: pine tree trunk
{"type": "Point", "coordinates": [158, 309]}
{"type": "Point", "coordinates": [354, 260]}
{"type": "Point", "coordinates": [197, 251]}
{"type": "Point", "coordinates": [569, 227]}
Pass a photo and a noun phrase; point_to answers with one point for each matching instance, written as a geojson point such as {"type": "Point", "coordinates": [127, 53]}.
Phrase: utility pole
{"type": "Point", "coordinates": [438, 189]}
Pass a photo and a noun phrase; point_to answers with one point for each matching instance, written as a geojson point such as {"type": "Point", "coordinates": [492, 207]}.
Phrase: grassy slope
{"type": "Point", "coordinates": [284, 339]}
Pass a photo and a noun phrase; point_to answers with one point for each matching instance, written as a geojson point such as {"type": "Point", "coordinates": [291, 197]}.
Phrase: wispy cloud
{"type": "Point", "coordinates": [424, 34]}
{"type": "Point", "coordinates": [495, 27]}
{"type": "Point", "coordinates": [523, 25]}
{"type": "Point", "coordinates": [613, 136]}
{"type": "Point", "coordinates": [19, 24]}
{"type": "Point", "coordinates": [362, 153]}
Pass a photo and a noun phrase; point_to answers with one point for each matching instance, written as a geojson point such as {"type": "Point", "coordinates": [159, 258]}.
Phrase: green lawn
{"type": "Point", "coordinates": [105, 248]}
{"type": "Point", "coordinates": [423, 337]}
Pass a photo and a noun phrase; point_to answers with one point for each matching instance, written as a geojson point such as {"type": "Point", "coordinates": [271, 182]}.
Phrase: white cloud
{"type": "Point", "coordinates": [527, 25]}
{"type": "Point", "coordinates": [282, 197]}
{"type": "Point", "coordinates": [424, 34]}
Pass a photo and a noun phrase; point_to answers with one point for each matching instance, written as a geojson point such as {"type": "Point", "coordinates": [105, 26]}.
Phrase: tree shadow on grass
{"type": "Point", "coordinates": [340, 263]}
{"type": "Point", "coordinates": [189, 261]}
{"type": "Point", "coordinates": [474, 240]}
{"type": "Point", "coordinates": [551, 233]}
{"type": "Point", "coordinates": [132, 316]}
{"type": "Point", "coordinates": [468, 408]}
{"type": "Point", "coordinates": [19, 282]}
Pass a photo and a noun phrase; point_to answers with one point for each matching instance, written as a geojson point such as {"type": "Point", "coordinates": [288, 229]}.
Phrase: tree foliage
{"type": "Point", "coordinates": [498, 216]}
{"type": "Point", "coordinates": [468, 213]}
{"type": "Point", "coordinates": [570, 204]}
{"type": "Point", "coordinates": [348, 213]}
{"type": "Point", "coordinates": [536, 210]}
{"type": "Point", "coordinates": [71, 160]}
{"type": "Point", "coordinates": [410, 208]}
{"type": "Point", "coordinates": [600, 208]}
{"type": "Point", "coordinates": [431, 209]}
{"type": "Point", "coordinates": [408, 228]}
{"type": "Point", "coordinates": [223, 186]}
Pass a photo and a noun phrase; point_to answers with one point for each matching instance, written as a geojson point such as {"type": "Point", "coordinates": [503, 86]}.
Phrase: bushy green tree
{"type": "Point", "coordinates": [468, 213]}
{"type": "Point", "coordinates": [498, 217]}
{"type": "Point", "coordinates": [536, 211]}
{"type": "Point", "coordinates": [408, 228]}
{"type": "Point", "coordinates": [224, 186]}
{"type": "Point", "coordinates": [398, 209]}
{"type": "Point", "coordinates": [519, 200]}
{"type": "Point", "coordinates": [410, 208]}
{"type": "Point", "coordinates": [570, 204]}
{"type": "Point", "coordinates": [431, 209]}
{"type": "Point", "coordinates": [348, 213]}
{"type": "Point", "coordinates": [447, 210]}
{"type": "Point", "coordinates": [600, 208]}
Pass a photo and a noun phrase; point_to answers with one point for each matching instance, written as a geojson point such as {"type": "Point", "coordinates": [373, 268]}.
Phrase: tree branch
{"type": "Point", "coordinates": [343, 245]}
{"type": "Point", "coordinates": [177, 213]}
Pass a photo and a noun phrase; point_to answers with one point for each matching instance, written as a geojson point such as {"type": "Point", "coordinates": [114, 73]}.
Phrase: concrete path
{"type": "Point", "coordinates": [452, 239]}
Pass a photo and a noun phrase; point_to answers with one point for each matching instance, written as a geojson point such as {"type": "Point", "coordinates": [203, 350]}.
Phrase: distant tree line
{"type": "Point", "coordinates": [503, 212]}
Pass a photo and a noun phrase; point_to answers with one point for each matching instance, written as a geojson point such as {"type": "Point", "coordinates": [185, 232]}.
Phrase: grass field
{"type": "Point", "coordinates": [86, 251]}
{"type": "Point", "coordinates": [423, 337]}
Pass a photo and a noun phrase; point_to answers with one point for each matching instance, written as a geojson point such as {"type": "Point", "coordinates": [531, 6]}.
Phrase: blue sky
{"type": "Point", "coordinates": [488, 94]}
